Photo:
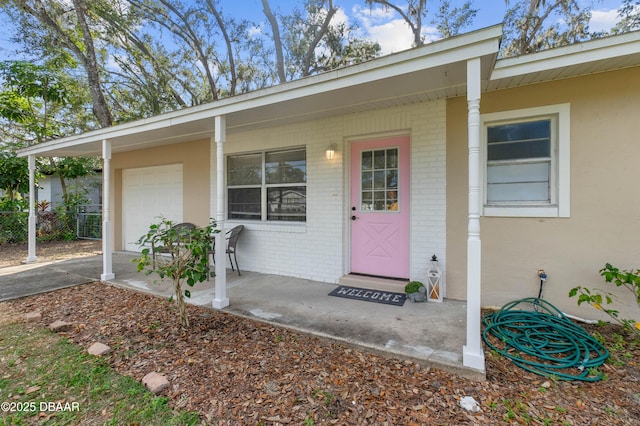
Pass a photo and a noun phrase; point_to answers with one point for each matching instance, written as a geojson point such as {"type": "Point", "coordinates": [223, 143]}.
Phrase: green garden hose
{"type": "Point", "coordinates": [544, 341]}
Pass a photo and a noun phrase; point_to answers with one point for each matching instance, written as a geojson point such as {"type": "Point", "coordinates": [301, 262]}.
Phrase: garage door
{"type": "Point", "coordinates": [147, 194]}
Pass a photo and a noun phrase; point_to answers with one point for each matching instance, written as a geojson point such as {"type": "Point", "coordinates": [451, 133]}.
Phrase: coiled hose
{"type": "Point", "coordinates": [544, 341]}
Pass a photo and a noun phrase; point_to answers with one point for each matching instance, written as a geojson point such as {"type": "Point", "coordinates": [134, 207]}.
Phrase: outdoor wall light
{"type": "Point", "coordinates": [331, 151]}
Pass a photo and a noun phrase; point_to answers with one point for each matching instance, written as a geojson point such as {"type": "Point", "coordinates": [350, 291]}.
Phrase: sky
{"type": "Point", "coordinates": [383, 26]}
{"type": "Point", "coordinates": [392, 33]}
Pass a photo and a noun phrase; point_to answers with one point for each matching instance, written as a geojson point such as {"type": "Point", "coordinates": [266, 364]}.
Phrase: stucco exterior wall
{"type": "Point", "coordinates": [319, 248]}
{"type": "Point", "coordinates": [604, 223]}
{"type": "Point", "coordinates": [194, 157]}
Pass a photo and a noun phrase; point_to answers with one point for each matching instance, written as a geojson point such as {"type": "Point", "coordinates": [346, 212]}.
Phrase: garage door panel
{"type": "Point", "coordinates": [148, 194]}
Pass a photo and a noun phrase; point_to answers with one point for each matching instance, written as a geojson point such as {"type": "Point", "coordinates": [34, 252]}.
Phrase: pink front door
{"type": "Point", "coordinates": [380, 207]}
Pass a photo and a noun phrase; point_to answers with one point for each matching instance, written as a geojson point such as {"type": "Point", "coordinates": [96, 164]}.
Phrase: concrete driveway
{"type": "Point", "coordinates": [34, 278]}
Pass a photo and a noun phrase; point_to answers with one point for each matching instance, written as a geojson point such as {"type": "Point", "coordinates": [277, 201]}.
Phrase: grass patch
{"type": "Point", "coordinates": [47, 380]}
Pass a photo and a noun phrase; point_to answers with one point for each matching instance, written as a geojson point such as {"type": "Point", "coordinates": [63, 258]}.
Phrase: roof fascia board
{"type": "Point", "coordinates": [339, 82]}
{"type": "Point", "coordinates": [589, 51]}
{"type": "Point", "coordinates": [456, 49]}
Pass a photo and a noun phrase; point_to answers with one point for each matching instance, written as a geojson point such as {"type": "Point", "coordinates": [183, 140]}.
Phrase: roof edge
{"type": "Point", "coordinates": [559, 57]}
{"type": "Point", "coordinates": [473, 44]}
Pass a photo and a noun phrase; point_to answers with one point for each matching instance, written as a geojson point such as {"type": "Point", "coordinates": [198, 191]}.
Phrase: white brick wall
{"type": "Point", "coordinates": [318, 249]}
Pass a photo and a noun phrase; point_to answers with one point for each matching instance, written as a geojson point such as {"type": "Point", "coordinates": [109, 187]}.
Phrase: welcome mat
{"type": "Point", "coordinates": [377, 296]}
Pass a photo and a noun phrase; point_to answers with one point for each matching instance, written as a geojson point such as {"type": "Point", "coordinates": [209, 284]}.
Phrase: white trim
{"type": "Point", "coordinates": [264, 186]}
{"type": "Point", "coordinates": [31, 251]}
{"type": "Point", "coordinates": [270, 226]}
{"type": "Point", "coordinates": [561, 163]}
{"type": "Point", "coordinates": [220, 299]}
{"type": "Point", "coordinates": [580, 53]}
{"type": "Point", "coordinates": [107, 243]}
{"type": "Point", "coordinates": [472, 352]}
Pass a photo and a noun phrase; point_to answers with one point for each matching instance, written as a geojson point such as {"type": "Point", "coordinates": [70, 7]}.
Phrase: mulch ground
{"type": "Point", "coordinates": [233, 370]}
{"type": "Point", "coordinates": [46, 251]}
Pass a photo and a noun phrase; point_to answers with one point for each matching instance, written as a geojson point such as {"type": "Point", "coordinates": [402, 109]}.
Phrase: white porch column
{"type": "Point", "coordinates": [107, 243]}
{"type": "Point", "coordinates": [31, 253]}
{"type": "Point", "coordinates": [472, 353]}
{"type": "Point", "coordinates": [220, 300]}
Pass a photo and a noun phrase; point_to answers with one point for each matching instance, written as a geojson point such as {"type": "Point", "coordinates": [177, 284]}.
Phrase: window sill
{"type": "Point", "coordinates": [285, 227]}
{"type": "Point", "coordinates": [523, 211]}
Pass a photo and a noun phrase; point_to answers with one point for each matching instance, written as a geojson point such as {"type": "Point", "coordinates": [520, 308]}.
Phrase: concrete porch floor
{"type": "Point", "coordinates": [431, 333]}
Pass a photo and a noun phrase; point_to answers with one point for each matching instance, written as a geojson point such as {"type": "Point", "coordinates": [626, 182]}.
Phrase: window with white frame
{"type": "Point", "coordinates": [268, 186]}
{"type": "Point", "coordinates": [526, 167]}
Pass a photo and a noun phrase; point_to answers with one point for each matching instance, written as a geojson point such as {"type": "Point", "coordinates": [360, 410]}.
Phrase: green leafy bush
{"type": "Point", "coordinates": [187, 259]}
{"type": "Point", "coordinates": [597, 297]}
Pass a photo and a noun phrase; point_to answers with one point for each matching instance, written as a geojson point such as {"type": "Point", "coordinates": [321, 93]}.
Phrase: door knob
{"type": "Point", "coordinates": [353, 217]}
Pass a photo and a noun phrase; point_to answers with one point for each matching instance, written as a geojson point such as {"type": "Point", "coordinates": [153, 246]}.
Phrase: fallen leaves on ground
{"type": "Point", "coordinates": [233, 370]}
{"type": "Point", "coordinates": [47, 251]}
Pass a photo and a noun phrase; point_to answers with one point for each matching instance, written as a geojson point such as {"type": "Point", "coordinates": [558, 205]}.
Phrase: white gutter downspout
{"type": "Point", "coordinates": [31, 253]}
{"type": "Point", "coordinates": [220, 299]}
{"type": "Point", "coordinates": [107, 243]}
{"type": "Point", "coordinates": [472, 353]}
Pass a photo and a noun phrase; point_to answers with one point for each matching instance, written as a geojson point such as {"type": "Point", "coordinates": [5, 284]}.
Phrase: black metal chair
{"type": "Point", "coordinates": [232, 238]}
{"type": "Point", "coordinates": [182, 229]}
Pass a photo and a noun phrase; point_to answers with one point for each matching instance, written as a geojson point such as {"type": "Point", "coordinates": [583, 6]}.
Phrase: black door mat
{"type": "Point", "coordinates": [367, 295]}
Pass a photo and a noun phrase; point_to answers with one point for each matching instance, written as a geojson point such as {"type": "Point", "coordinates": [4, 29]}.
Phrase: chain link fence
{"type": "Point", "coordinates": [13, 227]}
{"type": "Point", "coordinates": [83, 223]}
{"type": "Point", "coordinates": [89, 222]}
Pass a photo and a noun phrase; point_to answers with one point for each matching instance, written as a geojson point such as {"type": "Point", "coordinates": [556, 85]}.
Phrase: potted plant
{"type": "Point", "coordinates": [416, 291]}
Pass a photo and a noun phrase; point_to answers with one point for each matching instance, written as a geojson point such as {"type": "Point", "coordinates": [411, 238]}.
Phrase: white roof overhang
{"type": "Point", "coordinates": [434, 71]}
{"type": "Point", "coordinates": [595, 56]}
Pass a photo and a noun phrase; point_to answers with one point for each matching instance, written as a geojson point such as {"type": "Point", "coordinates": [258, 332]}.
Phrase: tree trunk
{"type": "Point", "coordinates": [84, 54]}
{"type": "Point", "coordinates": [414, 9]}
{"type": "Point", "coordinates": [100, 107]}
{"type": "Point", "coordinates": [227, 40]}
{"type": "Point", "coordinates": [189, 34]}
{"type": "Point", "coordinates": [131, 41]}
{"type": "Point", "coordinates": [182, 307]}
{"type": "Point", "coordinates": [277, 41]}
{"type": "Point", "coordinates": [311, 51]}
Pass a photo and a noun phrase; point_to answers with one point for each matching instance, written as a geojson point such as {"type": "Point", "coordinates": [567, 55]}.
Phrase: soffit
{"type": "Point", "coordinates": [596, 56]}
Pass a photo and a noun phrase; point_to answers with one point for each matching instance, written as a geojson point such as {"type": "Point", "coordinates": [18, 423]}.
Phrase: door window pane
{"type": "Point", "coordinates": [367, 180]}
{"type": "Point", "coordinates": [379, 180]}
{"type": "Point", "coordinates": [392, 158]}
{"type": "Point", "coordinates": [392, 179]}
{"type": "Point", "coordinates": [379, 159]}
{"type": "Point", "coordinates": [367, 160]}
{"type": "Point", "coordinates": [367, 198]}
